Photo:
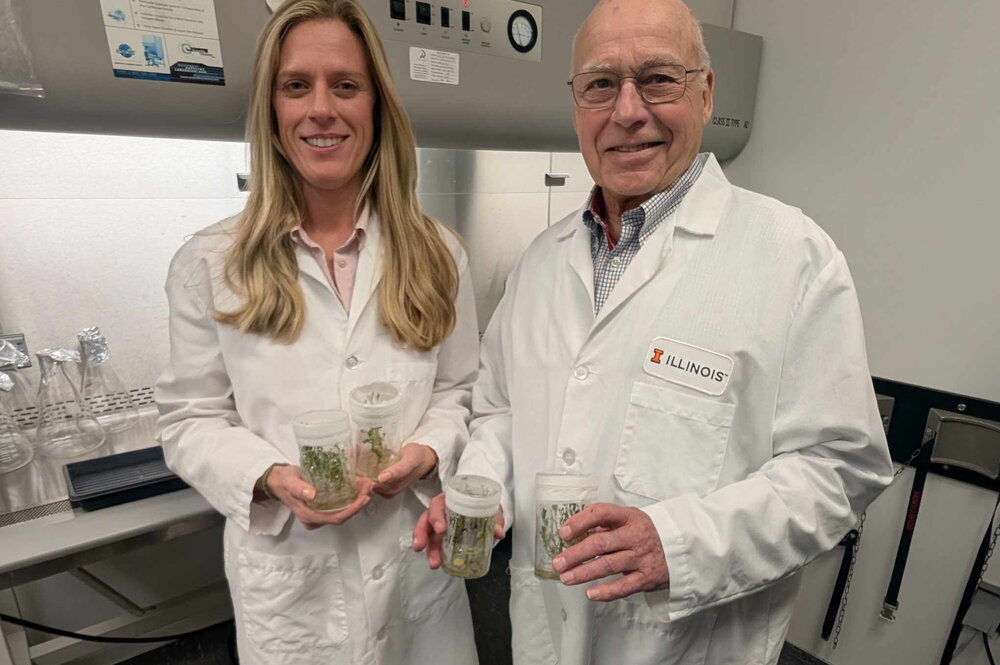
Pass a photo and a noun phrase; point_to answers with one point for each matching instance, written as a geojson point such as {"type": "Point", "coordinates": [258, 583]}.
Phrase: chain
{"type": "Point", "coordinates": [928, 437]}
{"type": "Point", "coordinates": [989, 552]}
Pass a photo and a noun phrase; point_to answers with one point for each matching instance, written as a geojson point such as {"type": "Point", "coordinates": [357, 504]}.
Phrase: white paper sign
{"type": "Point", "coordinates": [688, 365]}
{"type": "Point", "coordinates": [433, 66]}
{"type": "Point", "coordinates": [164, 40]}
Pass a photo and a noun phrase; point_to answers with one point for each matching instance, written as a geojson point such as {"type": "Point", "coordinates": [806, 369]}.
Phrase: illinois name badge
{"type": "Point", "coordinates": [703, 370]}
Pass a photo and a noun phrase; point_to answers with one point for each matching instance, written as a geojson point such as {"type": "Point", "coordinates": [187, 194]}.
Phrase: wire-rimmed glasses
{"type": "Point", "coordinates": [656, 85]}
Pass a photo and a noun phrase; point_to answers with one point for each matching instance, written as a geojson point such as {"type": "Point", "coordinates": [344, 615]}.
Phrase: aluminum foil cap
{"type": "Point", "coordinates": [6, 383]}
{"type": "Point", "coordinates": [49, 359]}
{"type": "Point", "coordinates": [93, 346]}
{"type": "Point", "coordinates": [10, 355]}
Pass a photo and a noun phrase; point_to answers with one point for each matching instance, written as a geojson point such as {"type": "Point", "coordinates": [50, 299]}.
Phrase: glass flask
{"type": "Point", "coordinates": [15, 449]}
{"type": "Point", "coordinates": [103, 392]}
{"type": "Point", "coordinates": [22, 396]}
{"type": "Point", "coordinates": [326, 458]}
{"type": "Point", "coordinates": [558, 496]}
{"type": "Point", "coordinates": [375, 410]}
{"type": "Point", "coordinates": [467, 547]}
{"type": "Point", "coordinates": [66, 428]}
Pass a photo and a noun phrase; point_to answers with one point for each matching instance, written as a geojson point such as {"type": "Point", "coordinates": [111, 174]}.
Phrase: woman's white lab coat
{"type": "Point", "coordinates": [748, 470]}
{"type": "Point", "coordinates": [353, 594]}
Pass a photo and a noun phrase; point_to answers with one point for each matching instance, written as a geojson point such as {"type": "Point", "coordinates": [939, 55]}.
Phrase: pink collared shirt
{"type": "Point", "coordinates": [342, 267]}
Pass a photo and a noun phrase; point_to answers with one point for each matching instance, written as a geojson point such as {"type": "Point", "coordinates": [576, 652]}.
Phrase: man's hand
{"type": "Point", "coordinates": [624, 540]}
{"type": "Point", "coordinates": [415, 461]}
{"type": "Point", "coordinates": [432, 525]}
{"type": "Point", "coordinates": [286, 483]}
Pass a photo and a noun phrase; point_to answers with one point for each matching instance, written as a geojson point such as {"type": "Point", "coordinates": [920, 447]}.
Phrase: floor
{"type": "Point", "coordinates": [214, 646]}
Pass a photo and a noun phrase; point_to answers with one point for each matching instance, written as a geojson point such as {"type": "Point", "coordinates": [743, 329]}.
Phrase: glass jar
{"type": "Point", "coordinates": [15, 450]}
{"type": "Point", "coordinates": [325, 456]}
{"type": "Point", "coordinates": [558, 496]}
{"type": "Point", "coordinates": [471, 503]}
{"type": "Point", "coordinates": [66, 428]}
{"type": "Point", "coordinates": [375, 411]}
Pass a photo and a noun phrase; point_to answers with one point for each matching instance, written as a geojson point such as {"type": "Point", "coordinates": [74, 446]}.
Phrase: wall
{"type": "Point", "coordinates": [876, 119]}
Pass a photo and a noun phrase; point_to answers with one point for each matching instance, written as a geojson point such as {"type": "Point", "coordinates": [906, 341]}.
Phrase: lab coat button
{"type": "Point", "coordinates": [370, 509]}
{"type": "Point", "coordinates": [377, 573]}
{"type": "Point", "coordinates": [581, 372]}
{"type": "Point", "coordinates": [352, 362]}
{"type": "Point", "coordinates": [569, 457]}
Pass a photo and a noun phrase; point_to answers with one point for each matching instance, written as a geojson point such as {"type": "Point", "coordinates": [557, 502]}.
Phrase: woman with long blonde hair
{"type": "Point", "coordinates": [330, 278]}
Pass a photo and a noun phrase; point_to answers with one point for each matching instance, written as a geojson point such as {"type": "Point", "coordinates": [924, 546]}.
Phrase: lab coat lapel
{"type": "Point", "coordinates": [651, 256]}
{"type": "Point", "coordinates": [698, 215]}
{"type": "Point", "coordinates": [575, 300]}
{"type": "Point", "coordinates": [369, 272]}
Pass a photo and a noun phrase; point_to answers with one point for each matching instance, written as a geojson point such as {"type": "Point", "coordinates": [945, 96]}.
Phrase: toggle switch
{"type": "Point", "coordinates": [423, 13]}
{"type": "Point", "coordinates": [397, 10]}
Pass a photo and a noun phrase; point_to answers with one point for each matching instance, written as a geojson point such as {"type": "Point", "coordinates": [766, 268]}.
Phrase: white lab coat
{"type": "Point", "coordinates": [744, 488]}
{"type": "Point", "coordinates": [352, 594]}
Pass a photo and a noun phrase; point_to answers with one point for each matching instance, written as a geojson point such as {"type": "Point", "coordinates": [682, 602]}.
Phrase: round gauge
{"type": "Point", "coordinates": [522, 31]}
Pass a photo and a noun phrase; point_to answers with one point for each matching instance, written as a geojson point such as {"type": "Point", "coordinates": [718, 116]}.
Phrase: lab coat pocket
{"type": "Point", "coordinates": [627, 626]}
{"type": "Point", "coordinates": [292, 603]}
{"type": "Point", "coordinates": [672, 443]}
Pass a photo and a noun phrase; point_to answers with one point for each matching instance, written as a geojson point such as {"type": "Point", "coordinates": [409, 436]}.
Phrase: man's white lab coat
{"type": "Point", "coordinates": [749, 469]}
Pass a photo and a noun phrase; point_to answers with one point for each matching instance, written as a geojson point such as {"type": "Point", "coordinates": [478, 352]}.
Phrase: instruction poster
{"type": "Point", "coordinates": [164, 40]}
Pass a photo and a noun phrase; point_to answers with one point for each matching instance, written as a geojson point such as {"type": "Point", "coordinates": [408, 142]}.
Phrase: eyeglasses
{"type": "Point", "coordinates": [656, 85]}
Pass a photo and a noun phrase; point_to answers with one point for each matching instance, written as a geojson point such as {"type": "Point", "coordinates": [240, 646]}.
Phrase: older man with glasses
{"type": "Point", "coordinates": [696, 347]}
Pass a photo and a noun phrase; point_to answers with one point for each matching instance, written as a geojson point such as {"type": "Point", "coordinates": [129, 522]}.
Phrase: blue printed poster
{"type": "Point", "coordinates": [164, 40]}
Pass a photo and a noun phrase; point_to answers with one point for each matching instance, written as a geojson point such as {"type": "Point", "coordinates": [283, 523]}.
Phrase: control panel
{"type": "Point", "coordinates": [503, 28]}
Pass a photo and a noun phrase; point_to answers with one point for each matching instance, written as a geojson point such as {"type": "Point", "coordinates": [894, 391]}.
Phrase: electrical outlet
{"type": "Point", "coordinates": [17, 339]}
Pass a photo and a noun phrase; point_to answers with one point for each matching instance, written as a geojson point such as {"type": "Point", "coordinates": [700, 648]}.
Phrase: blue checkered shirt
{"type": "Point", "coordinates": [637, 225]}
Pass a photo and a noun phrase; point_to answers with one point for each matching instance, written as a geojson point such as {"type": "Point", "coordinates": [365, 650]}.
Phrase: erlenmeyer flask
{"type": "Point", "coordinates": [15, 450]}
{"type": "Point", "coordinates": [66, 428]}
{"type": "Point", "coordinates": [22, 396]}
{"type": "Point", "coordinates": [104, 394]}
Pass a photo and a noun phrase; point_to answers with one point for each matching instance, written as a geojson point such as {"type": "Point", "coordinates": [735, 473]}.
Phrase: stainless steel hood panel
{"type": "Point", "coordinates": [501, 103]}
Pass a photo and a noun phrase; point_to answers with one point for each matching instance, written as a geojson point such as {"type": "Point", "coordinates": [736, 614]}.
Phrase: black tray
{"type": "Point", "coordinates": [114, 479]}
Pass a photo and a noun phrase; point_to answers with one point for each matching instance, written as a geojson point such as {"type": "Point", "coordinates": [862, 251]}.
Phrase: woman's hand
{"type": "Point", "coordinates": [288, 486]}
{"type": "Point", "coordinates": [415, 461]}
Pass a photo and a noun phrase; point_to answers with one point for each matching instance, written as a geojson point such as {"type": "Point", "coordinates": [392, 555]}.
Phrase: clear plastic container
{"type": "Point", "coordinates": [102, 390]}
{"type": "Point", "coordinates": [558, 496]}
{"type": "Point", "coordinates": [375, 411]}
{"type": "Point", "coordinates": [472, 503]}
{"type": "Point", "coordinates": [15, 449]}
{"type": "Point", "coordinates": [325, 455]}
{"type": "Point", "coordinates": [66, 428]}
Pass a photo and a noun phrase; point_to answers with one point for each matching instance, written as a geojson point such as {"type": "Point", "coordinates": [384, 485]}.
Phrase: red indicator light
{"type": "Point", "coordinates": [466, 3]}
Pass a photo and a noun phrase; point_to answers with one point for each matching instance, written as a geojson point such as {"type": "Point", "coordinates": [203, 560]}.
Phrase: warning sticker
{"type": "Point", "coordinates": [433, 66]}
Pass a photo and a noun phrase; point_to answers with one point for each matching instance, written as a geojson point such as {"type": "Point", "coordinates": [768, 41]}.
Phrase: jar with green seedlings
{"type": "Point", "coordinates": [558, 496]}
{"type": "Point", "coordinates": [325, 455]}
{"type": "Point", "coordinates": [472, 503]}
{"type": "Point", "coordinates": [375, 412]}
